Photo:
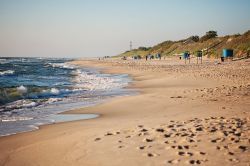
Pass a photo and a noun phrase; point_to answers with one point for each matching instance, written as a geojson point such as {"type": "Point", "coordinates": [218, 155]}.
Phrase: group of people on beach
{"type": "Point", "coordinates": [185, 56]}
{"type": "Point", "coordinates": [157, 56]}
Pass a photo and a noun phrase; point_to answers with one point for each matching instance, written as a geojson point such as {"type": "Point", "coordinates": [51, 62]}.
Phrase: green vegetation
{"type": "Point", "coordinates": [194, 38]}
{"type": "Point", "coordinates": [209, 35]}
{"type": "Point", "coordinates": [210, 44]}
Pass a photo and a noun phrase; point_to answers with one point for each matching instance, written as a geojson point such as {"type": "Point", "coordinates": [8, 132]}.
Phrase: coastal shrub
{"type": "Point", "coordinates": [208, 35]}
{"type": "Point", "coordinates": [236, 35]}
{"type": "Point", "coordinates": [247, 33]}
{"type": "Point", "coordinates": [194, 38]}
{"type": "Point", "coordinates": [144, 48]}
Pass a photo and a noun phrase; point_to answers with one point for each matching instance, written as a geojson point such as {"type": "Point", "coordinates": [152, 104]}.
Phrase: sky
{"type": "Point", "coordinates": [96, 28]}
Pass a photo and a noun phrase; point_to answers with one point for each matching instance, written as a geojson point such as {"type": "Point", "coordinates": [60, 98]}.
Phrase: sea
{"type": "Point", "coordinates": [33, 91]}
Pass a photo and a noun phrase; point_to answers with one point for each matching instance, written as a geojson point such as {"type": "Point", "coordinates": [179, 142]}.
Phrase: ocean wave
{"type": "Point", "coordinates": [14, 119]}
{"type": "Point", "coordinates": [27, 104]}
{"type": "Point", "coordinates": [3, 61]}
{"type": "Point", "coordinates": [30, 105]}
{"type": "Point", "coordinates": [53, 100]}
{"type": "Point", "coordinates": [22, 89]}
{"type": "Point", "coordinates": [97, 82]}
{"type": "Point", "coordinates": [7, 72]}
{"type": "Point", "coordinates": [61, 65]}
{"type": "Point", "coordinates": [20, 104]}
{"type": "Point", "coordinates": [9, 95]}
{"type": "Point", "coordinates": [54, 92]}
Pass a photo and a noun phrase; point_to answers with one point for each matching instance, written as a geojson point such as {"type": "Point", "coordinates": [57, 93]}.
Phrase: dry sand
{"type": "Point", "coordinates": [184, 115]}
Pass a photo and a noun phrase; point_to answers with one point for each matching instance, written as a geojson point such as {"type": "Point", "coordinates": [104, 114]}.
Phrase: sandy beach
{"type": "Point", "coordinates": [193, 114]}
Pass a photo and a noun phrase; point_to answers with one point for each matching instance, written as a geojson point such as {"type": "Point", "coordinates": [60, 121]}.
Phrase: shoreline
{"type": "Point", "coordinates": [16, 126]}
{"type": "Point", "coordinates": [165, 96]}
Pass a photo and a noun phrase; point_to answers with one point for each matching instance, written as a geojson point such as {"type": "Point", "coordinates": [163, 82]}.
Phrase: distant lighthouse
{"type": "Point", "coordinates": [130, 45]}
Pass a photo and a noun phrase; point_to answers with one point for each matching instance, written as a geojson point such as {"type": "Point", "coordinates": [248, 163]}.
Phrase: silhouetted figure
{"type": "Point", "coordinates": [159, 56]}
{"type": "Point", "coordinates": [222, 59]}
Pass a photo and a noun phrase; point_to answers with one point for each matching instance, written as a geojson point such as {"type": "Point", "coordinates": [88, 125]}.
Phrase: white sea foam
{"type": "Point", "coordinates": [13, 119]}
{"type": "Point", "coordinates": [7, 72]}
{"type": "Point", "coordinates": [29, 105]}
{"type": "Point", "coordinates": [61, 65]}
{"type": "Point", "coordinates": [22, 89]}
{"type": "Point", "coordinates": [97, 82]}
{"type": "Point", "coordinates": [20, 104]}
{"type": "Point", "coordinates": [54, 91]}
{"type": "Point", "coordinates": [52, 100]}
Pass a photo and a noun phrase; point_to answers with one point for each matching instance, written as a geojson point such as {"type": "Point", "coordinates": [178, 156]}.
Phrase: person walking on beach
{"type": "Point", "coordinates": [159, 56]}
{"type": "Point", "coordinates": [146, 57]}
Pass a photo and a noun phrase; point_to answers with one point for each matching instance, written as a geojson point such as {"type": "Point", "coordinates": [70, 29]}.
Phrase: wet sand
{"type": "Point", "coordinates": [184, 115]}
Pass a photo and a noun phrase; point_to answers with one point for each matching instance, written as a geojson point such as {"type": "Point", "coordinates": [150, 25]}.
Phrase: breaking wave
{"type": "Point", "coordinates": [7, 72]}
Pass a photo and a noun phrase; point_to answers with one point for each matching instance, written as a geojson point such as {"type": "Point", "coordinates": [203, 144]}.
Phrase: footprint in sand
{"type": "Point", "coordinates": [179, 125]}
{"type": "Point", "coordinates": [120, 146]}
{"type": "Point", "coordinates": [190, 140]}
{"type": "Point", "coordinates": [217, 140]}
{"type": "Point", "coordinates": [199, 129]}
{"type": "Point", "coordinates": [176, 97]}
{"type": "Point", "coordinates": [202, 153]}
{"type": "Point", "coordinates": [212, 129]}
{"type": "Point", "coordinates": [143, 130]}
{"type": "Point", "coordinates": [141, 147]}
{"type": "Point", "coordinates": [234, 139]}
{"type": "Point", "coordinates": [166, 142]}
{"type": "Point", "coordinates": [168, 135]}
{"type": "Point", "coordinates": [176, 147]}
{"type": "Point", "coordinates": [142, 134]}
{"type": "Point", "coordinates": [198, 162]}
{"type": "Point", "coordinates": [194, 162]}
{"type": "Point", "coordinates": [151, 154]}
{"type": "Point", "coordinates": [108, 134]}
{"type": "Point", "coordinates": [242, 148]}
{"type": "Point", "coordinates": [170, 142]}
{"type": "Point", "coordinates": [234, 160]}
{"type": "Point", "coordinates": [230, 153]}
{"type": "Point", "coordinates": [180, 147]}
{"type": "Point", "coordinates": [221, 147]}
{"type": "Point", "coordinates": [181, 153]}
{"type": "Point", "coordinates": [140, 126]}
{"type": "Point", "coordinates": [97, 139]}
{"type": "Point", "coordinates": [173, 161]}
{"type": "Point", "coordinates": [160, 130]}
{"type": "Point", "coordinates": [183, 129]}
{"type": "Point", "coordinates": [170, 126]}
{"type": "Point", "coordinates": [182, 134]}
{"type": "Point", "coordinates": [148, 140]}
